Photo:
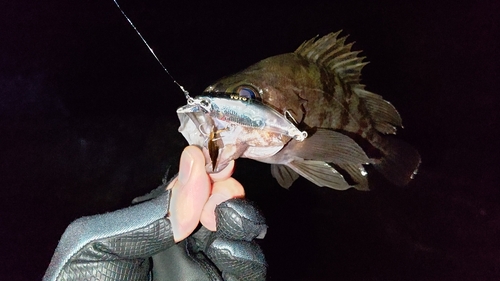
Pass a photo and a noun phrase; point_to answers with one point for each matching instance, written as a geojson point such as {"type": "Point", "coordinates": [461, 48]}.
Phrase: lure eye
{"type": "Point", "coordinates": [204, 103]}
{"type": "Point", "coordinates": [248, 93]}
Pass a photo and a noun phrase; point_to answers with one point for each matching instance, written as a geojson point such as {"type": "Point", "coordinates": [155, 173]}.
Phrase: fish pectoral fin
{"type": "Point", "coordinates": [329, 146]}
{"type": "Point", "coordinates": [284, 175]}
{"type": "Point", "coordinates": [319, 173]}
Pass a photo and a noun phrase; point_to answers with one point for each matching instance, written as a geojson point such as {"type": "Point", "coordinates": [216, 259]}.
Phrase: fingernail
{"type": "Point", "coordinates": [185, 167]}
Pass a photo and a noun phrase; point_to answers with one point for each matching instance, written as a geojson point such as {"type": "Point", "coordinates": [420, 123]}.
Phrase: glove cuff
{"type": "Point", "coordinates": [110, 245]}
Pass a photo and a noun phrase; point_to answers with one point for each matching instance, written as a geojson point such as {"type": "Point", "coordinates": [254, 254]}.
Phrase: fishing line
{"type": "Point", "coordinates": [186, 93]}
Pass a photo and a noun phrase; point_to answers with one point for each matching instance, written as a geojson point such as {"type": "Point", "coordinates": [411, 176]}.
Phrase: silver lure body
{"type": "Point", "coordinates": [242, 128]}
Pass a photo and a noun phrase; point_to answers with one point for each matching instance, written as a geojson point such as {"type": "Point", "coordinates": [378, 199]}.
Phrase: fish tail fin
{"type": "Point", "coordinates": [400, 161]}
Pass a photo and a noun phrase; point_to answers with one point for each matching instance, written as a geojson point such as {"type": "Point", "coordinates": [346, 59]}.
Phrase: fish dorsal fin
{"type": "Point", "coordinates": [384, 115]}
{"type": "Point", "coordinates": [336, 57]}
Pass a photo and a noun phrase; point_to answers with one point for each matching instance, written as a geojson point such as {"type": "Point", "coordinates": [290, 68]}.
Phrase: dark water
{"type": "Point", "coordinates": [87, 123]}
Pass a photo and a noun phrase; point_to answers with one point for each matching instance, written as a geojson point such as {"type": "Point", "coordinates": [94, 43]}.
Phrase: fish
{"type": "Point", "coordinates": [317, 120]}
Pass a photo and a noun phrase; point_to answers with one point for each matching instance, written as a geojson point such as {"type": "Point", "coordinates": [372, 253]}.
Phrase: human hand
{"type": "Point", "coordinates": [119, 245]}
{"type": "Point", "coordinates": [224, 246]}
{"type": "Point", "coordinates": [195, 194]}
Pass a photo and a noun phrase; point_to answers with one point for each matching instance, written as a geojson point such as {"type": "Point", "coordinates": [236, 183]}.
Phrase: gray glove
{"type": "Point", "coordinates": [226, 254]}
{"type": "Point", "coordinates": [121, 245]}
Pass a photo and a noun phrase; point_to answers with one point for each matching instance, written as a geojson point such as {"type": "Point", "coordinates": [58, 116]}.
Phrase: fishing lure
{"type": "Point", "coordinates": [219, 121]}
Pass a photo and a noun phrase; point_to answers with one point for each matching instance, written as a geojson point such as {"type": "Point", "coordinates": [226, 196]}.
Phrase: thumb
{"type": "Point", "coordinates": [190, 191]}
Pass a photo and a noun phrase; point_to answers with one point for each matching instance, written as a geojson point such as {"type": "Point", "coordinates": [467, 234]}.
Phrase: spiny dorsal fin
{"type": "Point", "coordinates": [332, 53]}
{"type": "Point", "coordinates": [335, 55]}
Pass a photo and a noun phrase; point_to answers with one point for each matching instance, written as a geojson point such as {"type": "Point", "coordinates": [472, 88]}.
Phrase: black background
{"type": "Point", "coordinates": [87, 122]}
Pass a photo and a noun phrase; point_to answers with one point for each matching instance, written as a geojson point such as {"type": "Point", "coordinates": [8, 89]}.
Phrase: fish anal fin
{"type": "Point", "coordinates": [320, 173]}
{"type": "Point", "coordinates": [357, 174]}
{"type": "Point", "coordinates": [284, 175]}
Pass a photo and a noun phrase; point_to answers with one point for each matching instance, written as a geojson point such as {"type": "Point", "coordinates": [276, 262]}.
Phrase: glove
{"type": "Point", "coordinates": [226, 254]}
{"type": "Point", "coordinates": [119, 246]}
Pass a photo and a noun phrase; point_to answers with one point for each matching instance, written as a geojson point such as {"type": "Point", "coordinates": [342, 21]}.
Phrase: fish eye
{"type": "Point", "coordinates": [248, 92]}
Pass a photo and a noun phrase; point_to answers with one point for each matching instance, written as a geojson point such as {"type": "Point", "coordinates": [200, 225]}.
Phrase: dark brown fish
{"type": "Point", "coordinates": [318, 89]}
